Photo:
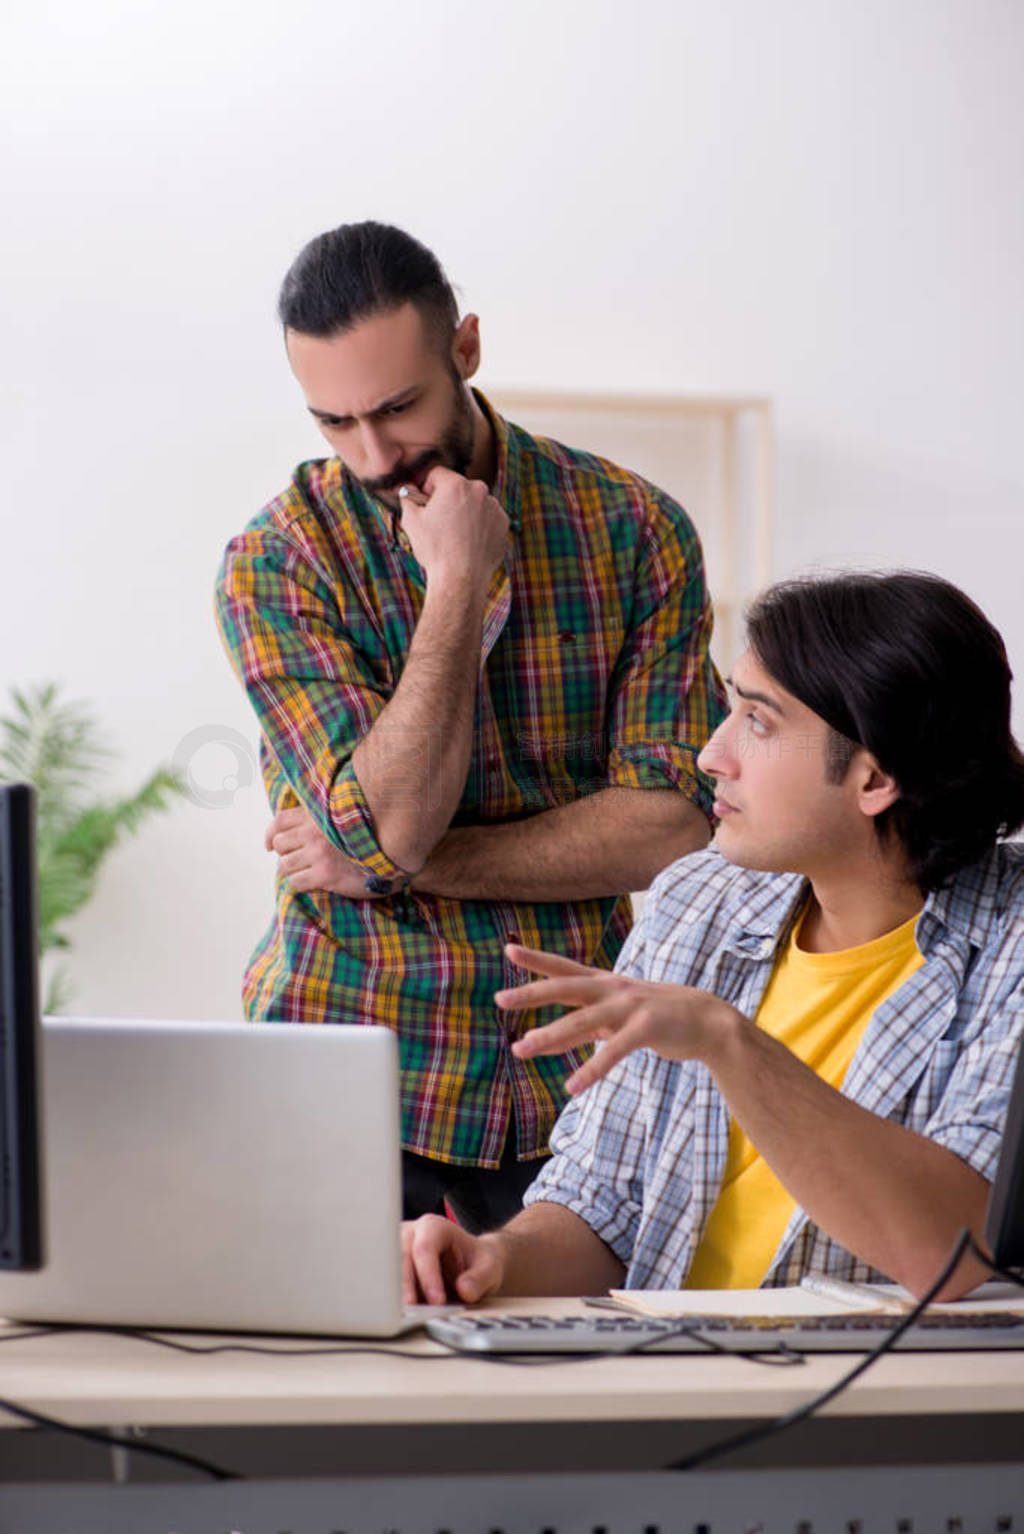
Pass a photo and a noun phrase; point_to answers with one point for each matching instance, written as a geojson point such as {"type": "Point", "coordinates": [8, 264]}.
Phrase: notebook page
{"type": "Point", "coordinates": [839, 1299]}
{"type": "Point", "coordinates": [767, 1304]}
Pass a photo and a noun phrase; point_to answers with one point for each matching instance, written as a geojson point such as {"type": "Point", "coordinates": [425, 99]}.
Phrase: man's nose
{"type": "Point", "coordinates": [380, 455]}
{"type": "Point", "coordinates": [718, 758]}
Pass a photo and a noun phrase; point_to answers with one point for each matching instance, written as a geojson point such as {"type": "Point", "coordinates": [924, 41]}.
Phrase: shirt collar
{"type": "Point", "coordinates": [970, 904]}
{"type": "Point", "coordinates": [766, 914]}
{"type": "Point", "coordinates": [969, 907]}
{"type": "Point", "coordinates": [506, 487]}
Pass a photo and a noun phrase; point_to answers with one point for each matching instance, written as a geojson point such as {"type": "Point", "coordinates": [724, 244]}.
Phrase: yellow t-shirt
{"type": "Point", "coordinates": [818, 1005]}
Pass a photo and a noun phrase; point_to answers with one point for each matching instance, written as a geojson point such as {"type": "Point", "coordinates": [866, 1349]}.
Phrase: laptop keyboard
{"type": "Point", "coordinates": [736, 1334]}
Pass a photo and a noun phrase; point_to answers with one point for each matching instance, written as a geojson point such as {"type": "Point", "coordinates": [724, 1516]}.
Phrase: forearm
{"type": "Point", "coordinates": [412, 764]}
{"type": "Point", "coordinates": [549, 1250]}
{"type": "Point", "coordinates": [613, 841]}
{"type": "Point", "coordinates": [891, 1196]}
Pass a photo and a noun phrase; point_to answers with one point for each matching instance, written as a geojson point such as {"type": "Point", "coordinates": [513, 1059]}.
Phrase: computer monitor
{"type": "Point", "coordinates": [20, 1047]}
{"type": "Point", "coordinates": [1004, 1227]}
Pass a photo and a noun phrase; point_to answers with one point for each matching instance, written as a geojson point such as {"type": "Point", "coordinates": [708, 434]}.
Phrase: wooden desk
{"type": "Point", "coordinates": [354, 1414]}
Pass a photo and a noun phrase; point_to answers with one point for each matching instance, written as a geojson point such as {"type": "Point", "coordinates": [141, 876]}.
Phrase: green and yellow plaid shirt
{"type": "Point", "coordinates": [595, 673]}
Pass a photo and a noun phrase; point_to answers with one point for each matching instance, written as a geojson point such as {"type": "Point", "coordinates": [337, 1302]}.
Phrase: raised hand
{"type": "Point", "coordinates": [455, 527]}
{"type": "Point", "coordinates": [676, 1021]}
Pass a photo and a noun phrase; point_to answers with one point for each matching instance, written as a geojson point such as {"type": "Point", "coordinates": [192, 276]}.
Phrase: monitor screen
{"type": "Point", "coordinates": [20, 1181]}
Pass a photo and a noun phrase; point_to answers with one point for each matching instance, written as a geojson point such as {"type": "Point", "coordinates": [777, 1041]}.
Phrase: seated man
{"type": "Point", "coordinates": [809, 1038]}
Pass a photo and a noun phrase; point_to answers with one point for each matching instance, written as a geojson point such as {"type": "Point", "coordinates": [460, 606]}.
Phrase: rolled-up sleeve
{"type": "Point", "coordinates": [971, 1117]}
{"type": "Point", "coordinates": [315, 688]}
{"type": "Point", "coordinates": [666, 696]}
{"type": "Point", "coordinates": [596, 1164]}
{"type": "Point", "coordinates": [599, 1142]}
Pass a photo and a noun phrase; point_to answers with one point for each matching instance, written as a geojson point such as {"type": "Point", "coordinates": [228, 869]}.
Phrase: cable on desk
{"type": "Point", "coordinates": [774, 1356]}
{"type": "Point", "coordinates": [801, 1413]}
{"type": "Point", "coordinates": [208, 1349]}
{"type": "Point", "coordinates": [27, 1333]}
{"type": "Point", "coordinates": [964, 1242]}
{"type": "Point", "coordinates": [141, 1446]}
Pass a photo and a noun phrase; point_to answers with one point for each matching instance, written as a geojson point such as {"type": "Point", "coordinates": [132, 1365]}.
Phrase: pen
{"type": "Point", "coordinates": [857, 1296]}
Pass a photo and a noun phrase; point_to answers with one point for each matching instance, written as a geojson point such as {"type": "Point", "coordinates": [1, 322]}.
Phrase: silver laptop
{"type": "Point", "coordinates": [241, 1176]}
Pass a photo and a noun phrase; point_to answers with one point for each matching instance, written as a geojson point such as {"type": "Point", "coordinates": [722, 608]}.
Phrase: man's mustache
{"type": "Point", "coordinates": [404, 473]}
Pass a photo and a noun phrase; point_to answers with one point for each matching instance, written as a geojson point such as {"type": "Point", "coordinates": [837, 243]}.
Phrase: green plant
{"type": "Point", "coordinates": [57, 746]}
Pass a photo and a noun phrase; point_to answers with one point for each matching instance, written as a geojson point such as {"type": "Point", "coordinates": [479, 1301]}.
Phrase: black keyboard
{"type": "Point", "coordinates": [855, 1333]}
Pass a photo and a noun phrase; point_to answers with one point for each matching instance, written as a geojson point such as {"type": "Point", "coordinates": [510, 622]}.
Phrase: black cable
{"type": "Point", "coordinates": [28, 1333]}
{"type": "Point", "coordinates": [643, 1347]}
{"type": "Point", "coordinates": [175, 1345]}
{"type": "Point", "coordinates": [768, 1429]}
{"type": "Point", "coordinates": [774, 1356]}
{"type": "Point", "coordinates": [114, 1441]}
{"type": "Point", "coordinates": [141, 1446]}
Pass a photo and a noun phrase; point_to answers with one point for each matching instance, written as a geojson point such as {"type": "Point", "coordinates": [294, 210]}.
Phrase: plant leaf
{"type": "Point", "coordinates": [56, 746]}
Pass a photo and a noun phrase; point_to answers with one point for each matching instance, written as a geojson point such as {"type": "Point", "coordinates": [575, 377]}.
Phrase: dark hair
{"type": "Point", "coordinates": [906, 665]}
{"type": "Point", "coordinates": [357, 270]}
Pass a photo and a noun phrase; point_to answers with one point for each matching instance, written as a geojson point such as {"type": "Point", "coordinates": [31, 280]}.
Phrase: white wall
{"type": "Point", "coordinates": [818, 200]}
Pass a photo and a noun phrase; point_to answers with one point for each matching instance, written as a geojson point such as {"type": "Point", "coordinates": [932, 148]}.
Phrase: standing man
{"type": "Point", "coordinates": [809, 1043]}
{"type": "Point", "coordinates": [480, 666]}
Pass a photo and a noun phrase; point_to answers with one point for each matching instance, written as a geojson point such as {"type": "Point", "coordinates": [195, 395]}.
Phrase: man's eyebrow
{"type": "Point", "coordinates": [395, 399]}
{"type": "Point", "coordinates": [326, 415]}
{"type": "Point", "coordinates": [750, 696]}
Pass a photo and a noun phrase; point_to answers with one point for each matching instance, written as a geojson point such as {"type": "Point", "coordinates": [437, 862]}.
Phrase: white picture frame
{"type": "Point", "coordinates": [713, 454]}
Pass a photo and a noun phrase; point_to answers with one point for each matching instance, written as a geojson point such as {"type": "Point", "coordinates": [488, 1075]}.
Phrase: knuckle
{"type": "Point", "coordinates": [426, 1227]}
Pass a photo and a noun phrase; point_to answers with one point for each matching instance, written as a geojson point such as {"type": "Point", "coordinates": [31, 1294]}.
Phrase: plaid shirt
{"type": "Point", "coordinates": [595, 673]}
{"type": "Point", "coordinates": [640, 1155]}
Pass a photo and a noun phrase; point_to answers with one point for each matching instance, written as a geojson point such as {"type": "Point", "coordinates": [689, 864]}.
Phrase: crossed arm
{"type": "Point", "coordinates": [614, 840]}
{"type": "Point", "coordinates": [893, 1197]}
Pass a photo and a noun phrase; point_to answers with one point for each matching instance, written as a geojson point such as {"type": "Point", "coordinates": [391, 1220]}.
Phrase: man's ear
{"type": "Point", "coordinates": [466, 346]}
{"type": "Point", "coordinates": [877, 789]}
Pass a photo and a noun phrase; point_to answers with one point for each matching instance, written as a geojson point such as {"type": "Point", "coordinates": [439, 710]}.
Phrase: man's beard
{"type": "Point", "coordinates": [454, 450]}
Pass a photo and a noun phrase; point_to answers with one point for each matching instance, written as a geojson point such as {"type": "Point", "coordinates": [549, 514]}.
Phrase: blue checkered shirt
{"type": "Point", "coordinates": [640, 1155]}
